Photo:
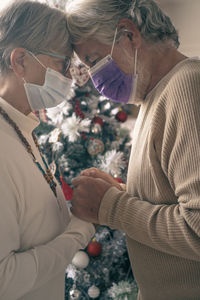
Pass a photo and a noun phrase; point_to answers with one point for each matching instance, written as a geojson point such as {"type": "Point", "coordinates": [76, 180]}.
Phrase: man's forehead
{"type": "Point", "coordinates": [86, 51]}
{"type": "Point", "coordinates": [91, 49]}
{"type": "Point", "coordinates": [88, 46]}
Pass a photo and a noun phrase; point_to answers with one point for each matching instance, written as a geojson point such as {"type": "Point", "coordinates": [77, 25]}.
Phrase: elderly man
{"type": "Point", "coordinates": [130, 47]}
{"type": "Point", "coordinates": [38, 236]}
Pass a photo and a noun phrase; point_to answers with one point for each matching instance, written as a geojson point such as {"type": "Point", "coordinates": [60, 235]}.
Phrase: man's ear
{"type": "Point", "coordinates": [17, 61]}
{"type": "Point", "coordinates": [130, 30]}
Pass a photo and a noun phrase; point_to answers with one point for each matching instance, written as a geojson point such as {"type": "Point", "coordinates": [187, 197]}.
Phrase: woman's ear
{"type": "Point", "coordinates": [130, 30]}
{"type": "Point", "coordinates": [17, 61]}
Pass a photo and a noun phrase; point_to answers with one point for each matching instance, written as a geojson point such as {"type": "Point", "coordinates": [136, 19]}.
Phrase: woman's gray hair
{"type": "Point", "coordinates": [99, 18]}
{"type": "Point", "coordinates": [34, 26]}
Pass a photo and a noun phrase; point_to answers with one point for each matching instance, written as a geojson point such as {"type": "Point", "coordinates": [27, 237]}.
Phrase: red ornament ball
{"type": "Point", "coordinates": [121, 116]}
{"type": "Point", "coordinates": [98, 120]}
{"type": "Point", "coordinates": [94, 248]}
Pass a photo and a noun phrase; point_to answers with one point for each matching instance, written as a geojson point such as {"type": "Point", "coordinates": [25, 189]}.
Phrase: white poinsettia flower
{"type": "Point", "coordinates": [73, 125]}
{"type": "Point", "coordinates": [43, 139]}
{"type": "Point", "coordinates": [55, 114]}
{"type": "Point", "coordinates": [65, 107]}
{"type": "Point", "coordinates": [113, 162]}
{"type": "Point", "coordinates": [54, 135]}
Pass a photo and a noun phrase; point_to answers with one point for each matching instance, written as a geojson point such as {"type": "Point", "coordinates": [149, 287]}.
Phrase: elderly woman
{"type": "Point", "coordinates": [130, 47]}
{"type": "Point", "coordinates": [38, 236]}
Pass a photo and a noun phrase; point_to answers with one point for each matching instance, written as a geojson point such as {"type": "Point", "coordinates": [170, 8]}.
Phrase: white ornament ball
{"type": "Point", "coordinates": [80, 259]}
{"type": "Point", "coordinates": [93, 292]}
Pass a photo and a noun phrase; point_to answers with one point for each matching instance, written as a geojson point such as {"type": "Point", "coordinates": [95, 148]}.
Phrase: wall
{"type": "Point", "coordinates": [185, 15]}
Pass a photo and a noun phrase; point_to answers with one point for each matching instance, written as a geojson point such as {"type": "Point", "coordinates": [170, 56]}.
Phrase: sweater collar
{"type": "Point", "coordinates": [25, 123]}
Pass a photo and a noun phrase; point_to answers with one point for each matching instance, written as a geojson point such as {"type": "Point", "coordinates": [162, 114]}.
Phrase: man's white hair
{"type": "Point", "coordinates": [99, 18]}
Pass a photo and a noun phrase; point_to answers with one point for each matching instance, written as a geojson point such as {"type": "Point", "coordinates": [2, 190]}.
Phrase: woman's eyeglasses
{"type": "Point", "coordinates": [67, 60]}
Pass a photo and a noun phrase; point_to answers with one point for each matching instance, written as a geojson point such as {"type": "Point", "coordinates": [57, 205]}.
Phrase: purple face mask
{"type": "Point", "coordinates": [111, 82]}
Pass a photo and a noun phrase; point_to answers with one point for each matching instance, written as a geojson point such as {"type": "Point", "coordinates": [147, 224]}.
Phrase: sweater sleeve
{"type": "Point", "coordinates": [24, 271]}
{"type": "Point", "coordinates": [172, 227]}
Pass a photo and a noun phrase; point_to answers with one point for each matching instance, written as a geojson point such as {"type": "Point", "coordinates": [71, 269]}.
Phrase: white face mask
{"type": "Point", "coordinates": [51, 93]}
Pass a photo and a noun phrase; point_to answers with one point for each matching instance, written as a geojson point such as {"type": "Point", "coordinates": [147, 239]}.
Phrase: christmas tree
{"type": "Point", "coordinates": [88, 130]}
{"type": "Point", "coordinates": [84, 131]}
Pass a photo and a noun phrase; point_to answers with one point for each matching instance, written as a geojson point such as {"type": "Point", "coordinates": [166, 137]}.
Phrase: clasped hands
{"type": "Point", "coordinates": [89, 189]}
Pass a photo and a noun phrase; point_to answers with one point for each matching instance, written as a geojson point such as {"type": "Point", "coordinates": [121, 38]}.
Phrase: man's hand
{"type": "Point", "coordinates": [97, 173]}
{"type": "Point", "coordinates": [87, 196]}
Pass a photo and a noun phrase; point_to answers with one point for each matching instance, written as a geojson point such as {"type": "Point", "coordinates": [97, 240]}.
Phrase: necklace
{"type": "Point", "coordinates": [47, 175]}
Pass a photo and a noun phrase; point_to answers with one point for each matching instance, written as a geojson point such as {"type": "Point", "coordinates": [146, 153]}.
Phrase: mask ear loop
{"type": "Point", "coordinates": [113, 44]}
{"type": "Point", "coordinates": [136, 51]}
{"type": "Point", "coordinates": [135, 62]}
{"type": "Point", "coordinates": [37, 59]}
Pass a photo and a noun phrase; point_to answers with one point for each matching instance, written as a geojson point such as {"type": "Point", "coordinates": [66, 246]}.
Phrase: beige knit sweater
{"type": "Point", "coordinates": [160, 212]}
{"type": "Point", "coordinates": [38, 237]}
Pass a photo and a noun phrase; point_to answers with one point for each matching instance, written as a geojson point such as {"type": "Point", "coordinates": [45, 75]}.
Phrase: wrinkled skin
{"type": "Point", "coordinates": [89, 189]}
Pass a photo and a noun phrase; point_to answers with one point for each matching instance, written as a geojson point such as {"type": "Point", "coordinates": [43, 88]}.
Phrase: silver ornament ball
{"type": "Point", "coordinates": [74, 294]}
{"type": "Point", "coordinates": [96, 128]}
{"type": "Point", "coordinates": [95, 146]}
{"type": "Point", "coordinates": [93, 292]}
